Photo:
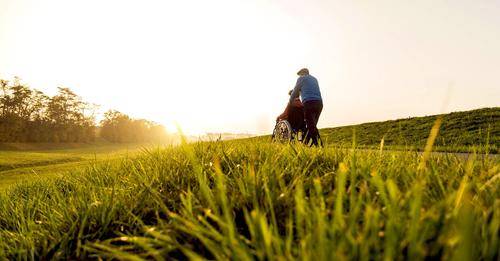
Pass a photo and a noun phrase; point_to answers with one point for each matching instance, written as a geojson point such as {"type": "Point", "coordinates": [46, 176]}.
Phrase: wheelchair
{"type": "Point", "coordinates": [293, 128]}
{"type": "Point", "coordinates": [284, 132]}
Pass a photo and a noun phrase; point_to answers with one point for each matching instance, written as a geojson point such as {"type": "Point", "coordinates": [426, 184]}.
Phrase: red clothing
{"type": "Point", "coordinates": [296, 103]}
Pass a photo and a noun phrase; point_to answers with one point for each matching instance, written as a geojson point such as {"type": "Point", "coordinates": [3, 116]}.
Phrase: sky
{"type": "Point", "coordinates": [227, 65]}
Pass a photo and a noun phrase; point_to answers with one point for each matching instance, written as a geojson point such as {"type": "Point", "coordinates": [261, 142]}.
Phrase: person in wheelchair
{"type": "Point", "coordinates": [294, 115]}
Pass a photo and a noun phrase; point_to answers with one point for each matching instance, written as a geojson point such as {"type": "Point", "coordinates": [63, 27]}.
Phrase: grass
{"type": "Point", "coordinates": [13, 160]}
{"type": "Point", "coordinates": [459, 132]}
{"type": "Point", "coordinates": [253, 199]}
{"type": "Point", "coordinates": [22, 161]}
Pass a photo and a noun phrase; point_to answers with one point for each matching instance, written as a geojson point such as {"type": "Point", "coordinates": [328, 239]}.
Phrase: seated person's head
{"type": "Point", "coordinates": [303, 72]}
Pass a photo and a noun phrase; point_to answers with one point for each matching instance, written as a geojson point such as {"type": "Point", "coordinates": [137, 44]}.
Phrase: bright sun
{"type": "Point", "coordinates": [227, 65]}
{"type": "Point", "coordinates": [171, 61]}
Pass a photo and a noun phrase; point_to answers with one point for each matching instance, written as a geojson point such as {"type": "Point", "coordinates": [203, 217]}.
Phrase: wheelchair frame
{"type": "Point", "coordinates": [283, 132]}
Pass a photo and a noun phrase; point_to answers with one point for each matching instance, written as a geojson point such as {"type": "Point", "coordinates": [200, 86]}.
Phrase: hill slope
{"type": "Point", "coordinates": [458, 131]}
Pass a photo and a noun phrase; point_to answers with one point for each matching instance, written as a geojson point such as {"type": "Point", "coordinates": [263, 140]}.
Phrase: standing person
{"type": "Point", "coordinates": [308, 88]}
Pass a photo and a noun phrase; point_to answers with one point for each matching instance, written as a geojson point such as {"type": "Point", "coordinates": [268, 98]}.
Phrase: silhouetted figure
{"type": "Point", "coordinates": [308, 88]}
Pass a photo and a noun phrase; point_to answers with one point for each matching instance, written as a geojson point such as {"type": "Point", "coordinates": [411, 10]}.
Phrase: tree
{"type": "Point", "coordinates": [66, 113]}
{"type": "Point", "coordinates": [119, 127]}
{"type": "Point", "coordinates": [30, 115]}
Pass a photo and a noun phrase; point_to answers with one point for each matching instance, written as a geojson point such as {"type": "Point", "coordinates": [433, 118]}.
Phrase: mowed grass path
{"type": "Point", "coordinates": [251, 199]}
{"type": "Point", "coordinates": [45, 160]}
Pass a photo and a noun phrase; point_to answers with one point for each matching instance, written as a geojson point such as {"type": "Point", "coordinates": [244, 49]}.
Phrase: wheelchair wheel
{"type": "Point", "coordinates": [282, 131]}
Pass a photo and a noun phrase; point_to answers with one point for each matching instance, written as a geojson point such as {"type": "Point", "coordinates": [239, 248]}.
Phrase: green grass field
{"type": "Point", "coordinates": [31, 161]}
{"type": "Point", "coordinates": [357, 198]}
{"type": "Point", "coordinates": [459, 132]}
{"type": "Point", "coordinates": [253, 199]}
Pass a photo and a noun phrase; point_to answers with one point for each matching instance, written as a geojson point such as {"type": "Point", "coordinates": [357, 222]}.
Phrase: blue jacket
{"type": "Point", "coordinates": [308, 88]}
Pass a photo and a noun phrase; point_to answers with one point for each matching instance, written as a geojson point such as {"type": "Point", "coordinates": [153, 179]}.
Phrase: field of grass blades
{"type": "Point", "coordinates": [251, 199]}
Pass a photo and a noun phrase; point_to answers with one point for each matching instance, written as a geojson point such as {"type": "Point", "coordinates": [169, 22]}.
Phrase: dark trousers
{"type": "Point", "coordinates": [312, 110]}
{"type": "Point", "coordinates": [296, 118]}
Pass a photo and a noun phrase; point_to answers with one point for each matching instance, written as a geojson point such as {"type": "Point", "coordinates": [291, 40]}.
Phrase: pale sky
{"type": "Point", "coordinates": [227, 65]}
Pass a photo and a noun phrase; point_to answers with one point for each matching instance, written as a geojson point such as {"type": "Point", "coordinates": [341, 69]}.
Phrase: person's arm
{"type": "Point", "coordinates": [296, 90]}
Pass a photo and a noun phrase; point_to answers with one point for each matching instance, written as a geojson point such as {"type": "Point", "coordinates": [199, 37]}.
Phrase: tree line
{"type": "Point", "coordinates": [119, 127]}
{"type": "Point", "coordinates": [29, 115]}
